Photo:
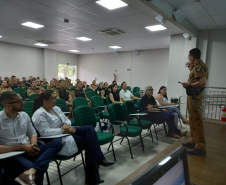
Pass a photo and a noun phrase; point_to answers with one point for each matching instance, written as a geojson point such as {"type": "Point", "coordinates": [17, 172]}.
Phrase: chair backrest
{"type": "Point", "coordinates": [119, 87]}
{"type": "Point", "coordinates": [89, 94]}
{"type": "Point", "coordinates": [49, 90]}
{"type": "Point", "coordinates": [79, 101]}
{"type": "Point", "coordinates": [21, 91]}
{"type": "Point", "coordinates": [116, 112]}
{"type": "Point", "coordinates": [136, 89]}
{"type": "Point", "coordinates": [84, 115]}
{"type": "Point", "coordinates": [62, 104]}
{"type": "Point", "coordinates": [97, 101]}
{"type": "Point", "coordinates": [33, 96]}
{"type": "Point", "coordinates": [73, 87]}
{"type": "Point", "coordinates": [128, 88]}
{"type": "Point", "coordinates": [44, 86]}
{"type": "Point", "coordinates": [1, 108]}
{"type": "Point", "coordinates": [28, 107]}
{"type": "Point", "coordinates": [108, 100]}
{"type": "Point", "coordinates": [137, 94]}
{"type": "Point", "coordinates": [128, 107]}
{"type": "Point", "coordinates": [88, 89]}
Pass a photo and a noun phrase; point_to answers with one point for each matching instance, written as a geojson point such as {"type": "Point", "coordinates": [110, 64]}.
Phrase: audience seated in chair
{"type": "Point", "coordinates": [79, 91]}
{"type": "Point", "coordinates": [105, 91]}
{"type": "Point", "coordinates": [162, 99]}
{"type": "Point", "coordinates": [114, 94]}
{"type": "Point", "coordinates": [99, 88]}
{"type": "Point", "coordinates": [34, 89]}
{"type": "Point", "coordinates": [93, 86]}
{"type": "Point", "coordinates": [5, 87]}
{"type": "Point", "coordinates": [49, 120]}
{"type": "Point", "coordinates": [126, 94]}
{"type": "Point", "coordinates": [15, 127]}
{"type": "Point", "coordinates": [148, 103]}
{"type": "Point", "coordinates": [85, 85]}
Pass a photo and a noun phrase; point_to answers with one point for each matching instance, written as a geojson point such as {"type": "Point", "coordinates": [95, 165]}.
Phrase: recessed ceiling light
{"type": "Point", "coordinates": [74, 51]}
{"type": "Point", "coordinates": [156, 27]}
{"type": "Point", "coordinates": [0, 36]}
{"type": "Point", "coordinates": [111, 4]}
{"type": "Point", "coordinates": [83, 38]}
{"type": "Point", "coordinates": [32, 25]}
{"type": "Point", "coordinates": [40, 44]}
{"type": "Point", "coordinates": [115, 47]}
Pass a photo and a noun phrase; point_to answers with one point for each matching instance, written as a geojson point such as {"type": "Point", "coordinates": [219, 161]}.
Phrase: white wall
{"type": "Point", "coordinates": [20, 61]}
{"type": "Point", "coordinates": [149, 67]}
{"type": "Point", "coordinates": [27, 61]}
{"type": "Point", "coordinates": [216, 56]}
{"type": "Point", "coordinates": [54, 58]}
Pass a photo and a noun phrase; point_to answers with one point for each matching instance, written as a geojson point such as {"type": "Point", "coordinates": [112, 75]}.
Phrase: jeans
{"type": "Point", "coordinates": [176, 112]}
{"type": "Point", "coordinates": [24, 162]}
{"type": "Point", "coordinates": [86, 139]}
{"type": "Point", "coordinates": [160, 117]}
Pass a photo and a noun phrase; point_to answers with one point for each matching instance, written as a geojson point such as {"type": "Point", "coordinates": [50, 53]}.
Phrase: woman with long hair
{"type": "Point", "coordinates": [114, 94]}
{"type": "Point", "coordinates": [162, 99]}
{"type": "Point", "coordinates": [49, 120]}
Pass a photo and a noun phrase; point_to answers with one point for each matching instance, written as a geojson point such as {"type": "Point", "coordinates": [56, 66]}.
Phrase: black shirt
{"type": "Point", "coordinates": [79, 93]}
{"type": "Point", "coordinates": [145, 100]}
{"type": "Point", "coordinates": [63, 93]}
{"type": "Point", "coordinates": [115, 95]}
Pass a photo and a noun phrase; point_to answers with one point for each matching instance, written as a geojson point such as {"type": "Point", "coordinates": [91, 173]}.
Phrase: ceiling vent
{"type": "Point", "coordinates": [112, 31]}
{"type": "Point", "coordinates": [47, 42]}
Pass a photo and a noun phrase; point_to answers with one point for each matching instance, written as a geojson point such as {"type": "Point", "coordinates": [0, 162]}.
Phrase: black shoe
{"type": "Point", "coordinates": [189, 145]}
{"type": "Point", "coordinates": [197, 152]}
{"type": "Point", "coordinates": [106, 163]}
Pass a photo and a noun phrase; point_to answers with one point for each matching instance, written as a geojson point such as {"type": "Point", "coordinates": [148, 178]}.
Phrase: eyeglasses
{"type": "Point", "coordinates": [18, 101]}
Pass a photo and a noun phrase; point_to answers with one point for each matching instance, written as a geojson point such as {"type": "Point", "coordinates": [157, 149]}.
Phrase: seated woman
{"type": "Point", "coordinates": [49, 120]}
{"type": "Point", "coordinates": [114, 94]}
{"type": "Point", "coordinates": [162, 99]}
{"type": "Point", "coordinates": [99, 88]}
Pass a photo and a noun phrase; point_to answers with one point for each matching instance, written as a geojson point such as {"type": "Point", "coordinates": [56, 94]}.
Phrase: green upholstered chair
{"type": "Point", "coordinates": [90, 94]}
{"type": "Point", "coordinates": [64, 108]}
{"type": "Point", "coordinates": [28, 107]}
{"type": "Point", "coordinates": [49, 90]}
{"type": "Point", "coordinates": [85, 115]}
{"type": "Point", "coordinates": [99, 106]}
{"type": "Point", "coordinates": [21, 91]}
{"type": "Point", "coordinates": [129, 108]}
{"type": "Point", "coordinates": [33, 96]}
{"type": "Point", "coordinates": [128, 88]}
{"type": "Point", "coordinates": [73, 87]}
{"type": "Point", "coordinates": [117, 117]}
{"type": "Point", "coordinates": [137, 94]}
{"type": "Point", "coordinates": [136, 89]}
{"type": "Point", "coordinates": [44, 86]}
{"type": "Point", "coordinates": [88, 89]}
{"type": "Point", "coordinates": [108, 100]}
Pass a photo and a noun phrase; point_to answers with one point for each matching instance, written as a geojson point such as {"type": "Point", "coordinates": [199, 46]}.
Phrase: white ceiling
{"type": "Point", "coordinates": [87, 18]}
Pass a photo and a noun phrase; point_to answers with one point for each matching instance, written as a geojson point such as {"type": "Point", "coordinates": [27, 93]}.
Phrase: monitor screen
{"type": "Point", "coordinates": [172, 170]}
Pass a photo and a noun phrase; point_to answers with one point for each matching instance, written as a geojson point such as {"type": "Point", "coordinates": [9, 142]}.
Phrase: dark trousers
{"type": "Point", "coordinates": [160, 117]}
{"type": "Point", "coordinates": [86, 139]}
{"type": "Point", "coordinates": [21, 163]}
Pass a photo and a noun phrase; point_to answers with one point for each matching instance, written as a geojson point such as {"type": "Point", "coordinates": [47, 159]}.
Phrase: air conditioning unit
{"type": "Point", "coordinates": [112, 31]}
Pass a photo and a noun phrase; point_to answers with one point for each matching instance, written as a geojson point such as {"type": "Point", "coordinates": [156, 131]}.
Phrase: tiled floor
{"type": "Point", "coordinates": [124, 164]}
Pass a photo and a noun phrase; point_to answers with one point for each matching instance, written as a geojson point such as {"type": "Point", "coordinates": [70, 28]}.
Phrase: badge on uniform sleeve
{"type": "Point", "coordinates": [198, 68]}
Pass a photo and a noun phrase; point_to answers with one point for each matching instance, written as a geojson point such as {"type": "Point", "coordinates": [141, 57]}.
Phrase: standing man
{"type": "Point", "coordinates": [194, 88]}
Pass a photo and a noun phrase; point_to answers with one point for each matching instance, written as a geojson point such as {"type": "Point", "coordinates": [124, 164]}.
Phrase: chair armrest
{"type": "Point", "coordinates": [54, 136]}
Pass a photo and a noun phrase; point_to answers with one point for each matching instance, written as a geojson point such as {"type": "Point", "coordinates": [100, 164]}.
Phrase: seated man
{"type": "Point", "coordinates": [34, 89]}
{"type": "Point", "coordinates": [5, 87]}
{"type": "Point", "coordinates": [15, 127]}
{"type": "Point", "coordinates": [105, 91]}
{"type": "Point", "coordinates": [85, 86]}
{"type": "Point", "coordinates": [148, 103]}
{"type": "Point", "coordinates": [126, 94]}
{"type": "Point", "coordinates": [79, 91]}
{"type": "Point", "coordinates": [24, 84]}
{"type": "Point", "coordinates": [14, 84]}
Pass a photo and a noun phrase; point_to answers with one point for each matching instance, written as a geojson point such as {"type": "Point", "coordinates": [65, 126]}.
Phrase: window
{"type": "Point", "coordinates": [65, 70]}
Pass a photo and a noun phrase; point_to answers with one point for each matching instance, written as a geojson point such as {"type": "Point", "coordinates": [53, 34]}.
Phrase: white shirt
{"type": "Point", "coordinates": [15, 131]}
{"type": "Point", "coordinates": [125, 94]}
{"type": "Point", "coordinates": [48, 125]}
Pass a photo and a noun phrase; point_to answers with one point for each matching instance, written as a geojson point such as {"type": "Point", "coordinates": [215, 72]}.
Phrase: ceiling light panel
{"type": "Point", "coordinates": [41, 44]}
{"type": "Point", "coordinates": [32, 25]}
{"type": "Point", "coordinates": [83, 38]}
{"type": "Point", "coordinates": [0, 36]}
{"type": "Point", "coordinates": [74, 51]}
{"type": "Point", "coordinates": [115, 47]}
{"type": "Point", "coordinates": [111, 4]}
{"type": "Point", "coordinates": [158, 27]}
